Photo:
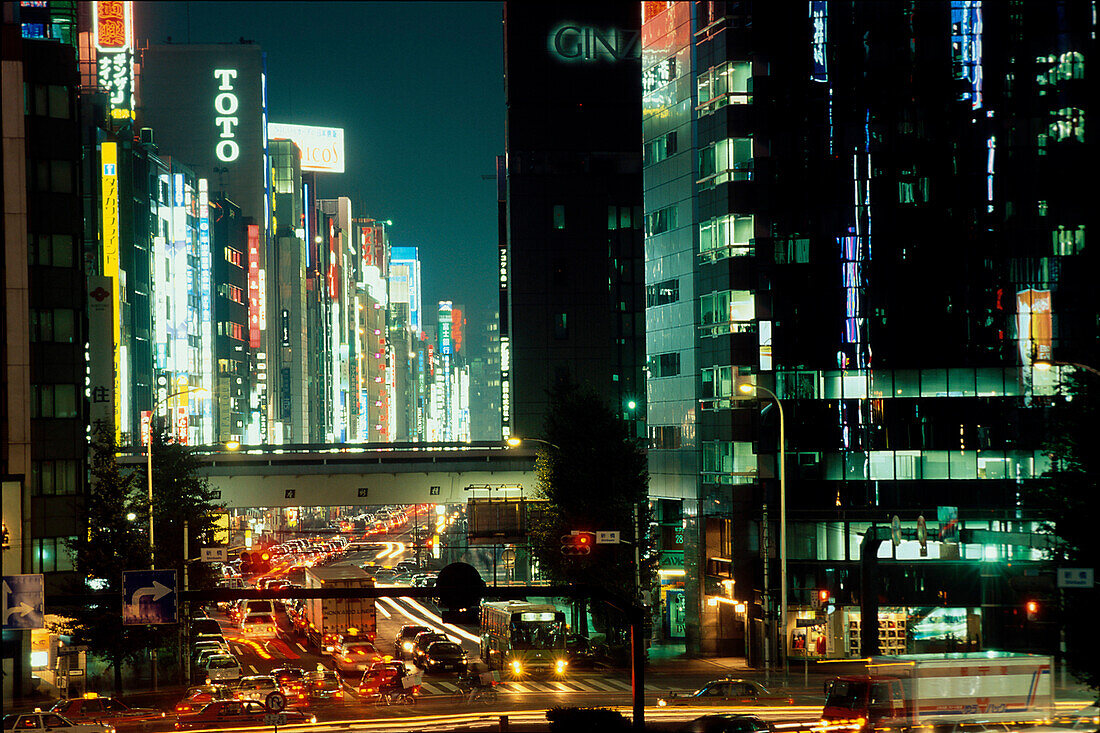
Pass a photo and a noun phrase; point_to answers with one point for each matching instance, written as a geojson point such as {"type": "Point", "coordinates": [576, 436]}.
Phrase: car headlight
{"type": "Point", "coordinates": [516, 666]}
{"type": "Point", "coordinates": [407, 646]}
{"type": "Point", "coordinates": [559, 665]}
{"type": "Point", "coordinates": [313, 719]}
{"type": "Point", "coordinates": [662, 703]}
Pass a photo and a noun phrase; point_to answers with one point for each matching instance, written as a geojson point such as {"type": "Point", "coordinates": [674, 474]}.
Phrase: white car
{"type": "Point", "coordinates": [223, 668]}
{"type": "Point", "coordinates": [39, 721]}
{"type": "Point", "coordinates": [256, 687]}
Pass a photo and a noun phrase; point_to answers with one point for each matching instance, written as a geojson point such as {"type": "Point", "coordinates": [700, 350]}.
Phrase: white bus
{"type": "Point", "coordinates": [521, 638]}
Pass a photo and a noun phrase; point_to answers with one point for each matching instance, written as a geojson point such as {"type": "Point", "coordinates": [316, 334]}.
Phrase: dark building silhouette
{"type": "Point", "coordinates": [571, 245]}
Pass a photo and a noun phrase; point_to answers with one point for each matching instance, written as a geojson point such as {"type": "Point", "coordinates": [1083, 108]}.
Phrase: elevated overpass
{"type": "Point", "coordinates": [364, 474]}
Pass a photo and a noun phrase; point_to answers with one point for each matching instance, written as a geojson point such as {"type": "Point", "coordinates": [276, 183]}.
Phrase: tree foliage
{"type": "Point", "coordinates": [1069, 502]}
{"type": "Point", "coordinates": [593, 477]}
{"type": "Point", "coordinates": [110, 545]}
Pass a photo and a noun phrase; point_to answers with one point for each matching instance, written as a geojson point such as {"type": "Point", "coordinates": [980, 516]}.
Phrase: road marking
{"type": "Point", "coordinates": [301, 647]}
{"type": "Point", "coordinates": [618, 683]}
{"type": "Point", "coordinates": [514, 687]}
{"type": "Point", "coordinates": [562, 686]}
{"type": "Point", "coordinates": [253, 668]}
{"type": "Point", "coordinates": [541, 687]}
{"type": "Point", "coordinates": [600, 685]}
{"type": "Point", "coordinates": [383, 610]}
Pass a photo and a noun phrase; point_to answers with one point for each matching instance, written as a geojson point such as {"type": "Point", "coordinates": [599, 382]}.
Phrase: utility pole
{"type": "Point", "coordinates": [637, 631]}
{"type": "Point", "coordinates": [765, 550]}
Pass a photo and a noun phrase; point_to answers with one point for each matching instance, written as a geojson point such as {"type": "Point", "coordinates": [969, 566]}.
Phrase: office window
{"type": "Point", "coordinates": [50, 554]}
{"type": "Point", "coordinates": [665, 437]}
{"type": "Point", "coordinates": [659, 149]}
{"type": "Point", "coordinates": [662, 293]}
{"type": "Point", "coordinates": [724, 161]}
{"type": "Point", "coordinates": [717, 383]}
{"type": "Point", "coordinates": [727, 311]}
{"type": "Point", "coordinates": [561, 326]}
{"type": "Point", "coordinates": [51, 250]}
{"type": "Point", "coordinates": [660, 221]}
{"type": "Point", "coordinates": [54, 478]}
{"type": "Point", "coordinates": [664, 365]}
{"type": "Point", "coordinates": [52, 325]}
{"type": "Point", "coordinates": [53, 400]}
{"type": "Point", "coordinates": [729, 457]}
{"type": "Point", "coordinates": [55, 176]}
{"type": "Point", "coordinates": [658, 75]}
{"type": "Point", "coordinates": [730, 235]}
{"type": "Point", "coordinates": [58, 101]}
{"type": "Point", "coordinates": [727, 83]}
{"type": "Point", "coordinates": [792, 250]}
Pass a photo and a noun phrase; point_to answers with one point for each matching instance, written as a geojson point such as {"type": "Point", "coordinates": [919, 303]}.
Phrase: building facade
{"type": "Point", "coordinates": [870, 234]}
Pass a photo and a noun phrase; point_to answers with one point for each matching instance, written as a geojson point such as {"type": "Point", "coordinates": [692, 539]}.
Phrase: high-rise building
{"type": "Point", "coordinates": [43, 417]}
{"type": "Point", "coordinates": [572, 245]}
{"type": "Point", "coordinates": [232, 385]}
{"type": "Point", "coordinates": [485, 381]}
{"type": "Point", "coordinates": [842, 209]}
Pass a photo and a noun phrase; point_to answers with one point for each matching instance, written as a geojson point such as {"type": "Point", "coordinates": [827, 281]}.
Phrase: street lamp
{"type": "Point", "coordinates": [514, 442]}
{"type": "Point", "coordinates": [749, 388]}
{"type": "Point", "coordinates": [198, 392]}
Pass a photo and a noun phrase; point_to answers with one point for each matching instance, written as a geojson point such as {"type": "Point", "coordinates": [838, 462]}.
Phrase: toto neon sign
{"type": "Point", "coordinates": [225, 105]}
{"type": "Point", "coordinates": [571, 43]}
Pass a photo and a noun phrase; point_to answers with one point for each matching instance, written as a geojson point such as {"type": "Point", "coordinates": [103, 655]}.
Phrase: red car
{"type": "Point", "coordinates": [93, 708]}
{"type": "Point", "coordinates": [198, 697]}
{"type": "Point", "coordinates": [236, 713]}
{"type": "Point", "coordinates": [377, 675]}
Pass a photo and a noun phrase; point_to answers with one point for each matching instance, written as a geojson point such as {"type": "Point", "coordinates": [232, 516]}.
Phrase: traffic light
{"type": "Point", "coordinates": [820, 598]}
{"type": "Point", "coordinates": [246, 563]}
{"type": "Point", "coordinates": [1032, 610]}
{"type": "Point", "coordinates": [262, 562]}
{"type": "Point", "coordinates": [579, 543]}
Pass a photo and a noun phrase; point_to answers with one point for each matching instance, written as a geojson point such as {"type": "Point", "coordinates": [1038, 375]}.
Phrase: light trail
{"type": "Point", "coordinates": [428, 614]}
{"type": "Point", "coordinates": [418, 620]}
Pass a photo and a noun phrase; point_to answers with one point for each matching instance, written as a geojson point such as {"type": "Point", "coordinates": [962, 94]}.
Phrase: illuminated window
{"type": "Point", "coordinates": [50, 554]}
{"type": "Point", "coordinates": [559, 216]}
{"type": "Point", "coordinates": [726, 236]}
{"type": "Point", "coordinates": [729, 461]}
{"type": "Point", "coordinates": [792, 250]}
{"type": "Point", "coordinates": [727, 311]}
{"type": "Point", "coordinates": [658, 75]}
{"type": "Point", "coordinates": [664, 437]}
{"type": "Point", "coordinates": [717, 384]}
{"type": "Point", "coordinates": [727, 83]}
{"type": "Point", "coordinates": [234, 257]}
{"type": "Point", "coordinates": [1068, 240]}
{"type": "Point", "coordinates": [724, 161]}
{"type": "Point", "coordinates": [659, 148]}
{"type": "Point", "coordinates": [660, 221]}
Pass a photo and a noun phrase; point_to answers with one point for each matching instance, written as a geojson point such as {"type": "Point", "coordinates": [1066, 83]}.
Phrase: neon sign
{"type": "Point", "coordinates": [225, 105]}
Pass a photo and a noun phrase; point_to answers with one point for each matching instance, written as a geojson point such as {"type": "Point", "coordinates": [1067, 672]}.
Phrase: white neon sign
{"type": "Point", "coordinates": [225, 105]}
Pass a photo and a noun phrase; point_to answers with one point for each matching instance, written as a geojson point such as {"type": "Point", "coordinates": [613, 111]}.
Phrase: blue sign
{"type": "Point", "coordinates": [24, 598]}
{"type": "Point", "coordinates": [149, 597]}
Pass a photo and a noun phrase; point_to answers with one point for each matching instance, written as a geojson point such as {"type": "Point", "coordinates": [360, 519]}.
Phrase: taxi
{"type": "Point", "coordinates": [236, 713]}
{"type": "Point", "coordinates": [376, 676]}
{"type": "Point", "coordinates": [727, 692]}
{"type": "Point", "coordinates": [196, 698]}
{"type": "Point", "coordinates": [93, 708]}
{"type": "Point", "coordinates": [50, 721]}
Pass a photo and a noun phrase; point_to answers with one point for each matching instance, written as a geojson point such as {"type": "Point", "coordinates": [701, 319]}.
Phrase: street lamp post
{"type": "Point", "coordinates": [747, 388]}
{"type": "Point", "coordinates": [514, 442]}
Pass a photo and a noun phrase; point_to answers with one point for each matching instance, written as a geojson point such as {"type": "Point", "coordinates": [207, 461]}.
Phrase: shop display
{"type": "Point", "coordinates": [892, 636]}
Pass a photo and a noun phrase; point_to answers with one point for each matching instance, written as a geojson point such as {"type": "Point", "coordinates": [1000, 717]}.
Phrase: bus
{"type": "Point", "coordinates": [521, 638]}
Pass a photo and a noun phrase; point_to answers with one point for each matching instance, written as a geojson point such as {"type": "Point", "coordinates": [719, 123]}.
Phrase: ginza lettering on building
{"type": "Point", "coordinates": [225, 105]}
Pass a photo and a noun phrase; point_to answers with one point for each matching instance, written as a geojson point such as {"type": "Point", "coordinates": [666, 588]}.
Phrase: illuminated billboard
{"type": "Point", "coordinates": [110, 233]}
{"type": "Point", "coordinates": [114, 32]}
{"type": "Point", "coordinates": [322, 147]}
{"type": "Point", "coordinates": [254, 286]}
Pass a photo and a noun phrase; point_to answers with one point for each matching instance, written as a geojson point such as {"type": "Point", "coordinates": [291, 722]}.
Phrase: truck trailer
{"type": "Point", "coordinates": [918, 689]}
{"type": "Point", "coordinates": [329, 618]}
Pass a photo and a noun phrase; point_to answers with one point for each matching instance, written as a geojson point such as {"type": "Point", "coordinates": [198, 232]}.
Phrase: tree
{"type": "Point", "coordinates": [593, 478]}
{"type": "Point", "coordinates": [180, 494]}
{"type": "Point", "coordinates": [1068, 500]}
{"type": "Point", "coordinates": [111, 544]}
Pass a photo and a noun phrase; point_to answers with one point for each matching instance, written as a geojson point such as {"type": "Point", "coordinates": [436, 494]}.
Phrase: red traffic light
{"type": "Point", "coordinates": [823, 596]}
{"type": "Point", "coordinates": [1032, 610]}
{"type": "Point", "coordinates": [579, 543]}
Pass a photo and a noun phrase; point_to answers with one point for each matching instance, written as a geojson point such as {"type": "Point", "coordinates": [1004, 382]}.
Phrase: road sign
{"type": "Point", "coordinates": [1076, 578]}
{"type": "Point", "coordinates": [149, 597]}
{"type": "Point", "coordinates": [275, 719]}
{"type": "Point", "coordinates": [24, 597]}
{"type": "Point", "coordinates": [215, 554]}
{"type": "Point", "coordinates": [276, 702]}
{"type": "Point", "coordinates": [607, 538]}
{"type": "Point", "coordinates": [805, 623]}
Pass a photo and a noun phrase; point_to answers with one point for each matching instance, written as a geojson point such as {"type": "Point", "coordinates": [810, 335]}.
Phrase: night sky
{"type": "Point", "coordinates": [418, 89]}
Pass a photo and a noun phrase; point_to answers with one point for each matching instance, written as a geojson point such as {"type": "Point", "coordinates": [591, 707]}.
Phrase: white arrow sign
{"type": "Point", "coordinates": [158, 590]}
{"type": "Point", "coordinates": [22, 609]}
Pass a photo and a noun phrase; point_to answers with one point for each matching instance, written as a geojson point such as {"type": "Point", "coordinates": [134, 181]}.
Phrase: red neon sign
{"type": "Point", "coordinates": [111, 25]}
{"type": "Point", "coordinates": [254, 286]}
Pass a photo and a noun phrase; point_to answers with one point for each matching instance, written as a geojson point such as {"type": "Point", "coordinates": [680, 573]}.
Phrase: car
{"type": "Point", "coordinates": [237, 713]}
{"type": "Point", "coordinates": [324, 685]}
{"type": "Point", "coordinates": [354, 656]}
{"type": "Point", "coordinates": [39, 720]}
{"type": "Point", "coordinates": [258, 624]}
{"type": "Point", "coordinates": [384, 575]}
{"type": "Point", "coordinates": [94, 708]}
{"type": "Point", "coordinates": [257, 687]}
{"type": "Point", "coordinates": [256, 605]}
{"type": "Point", "coordinates": [407, 566]}
{"type": "Point", "coordinates": [209, 637]}
{"type": "Point", "coordinates": [421, 642]}
{"type": "Point", "coordinates": [205, 625]}
{"type": "Point", "coordinates": [196, 698]}
{"type": "Point", "coordinates": [726, 723]}
{"type": "Point", "coordinates": [222, 668]}
{"type": "Point", "coordinates": [727, 691]}
{"type": "Point", "coordinates": [424, 580]}
{"type": "Point", "coordinates": [202, 646]}
{"type": "Point", "coordinates": [203, 657]}
{"type": "Point", "coordinates": [403, 644]}
{"type": "Point", "coordinates": [444, 656]}
{"type": "Point", "coordinates": [377, 675]}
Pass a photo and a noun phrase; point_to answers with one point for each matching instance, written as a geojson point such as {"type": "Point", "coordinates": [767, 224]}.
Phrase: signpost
{"type": "Point", "coordinates": [24, 598]}
{"type": "Point", "coordinates": [605, 537]}
{"type": "Point", "coordinates": [1076, 578]}
{"type": "Point", "coordinates": [215, 554]}
{"type": "Point", "coordinates": [149, 597]}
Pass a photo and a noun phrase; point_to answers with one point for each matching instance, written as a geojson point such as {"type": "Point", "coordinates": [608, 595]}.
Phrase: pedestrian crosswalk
{"type": "Point", "coordinates": [602, 685]}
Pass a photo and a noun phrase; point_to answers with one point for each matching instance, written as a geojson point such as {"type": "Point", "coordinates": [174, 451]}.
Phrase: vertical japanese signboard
{"type": "Point", "coordinates": [253, 286]}
{"type": "Point", "coordinates": [115, 56]}
{"type": "Point", "coordinates": [110, 236]}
